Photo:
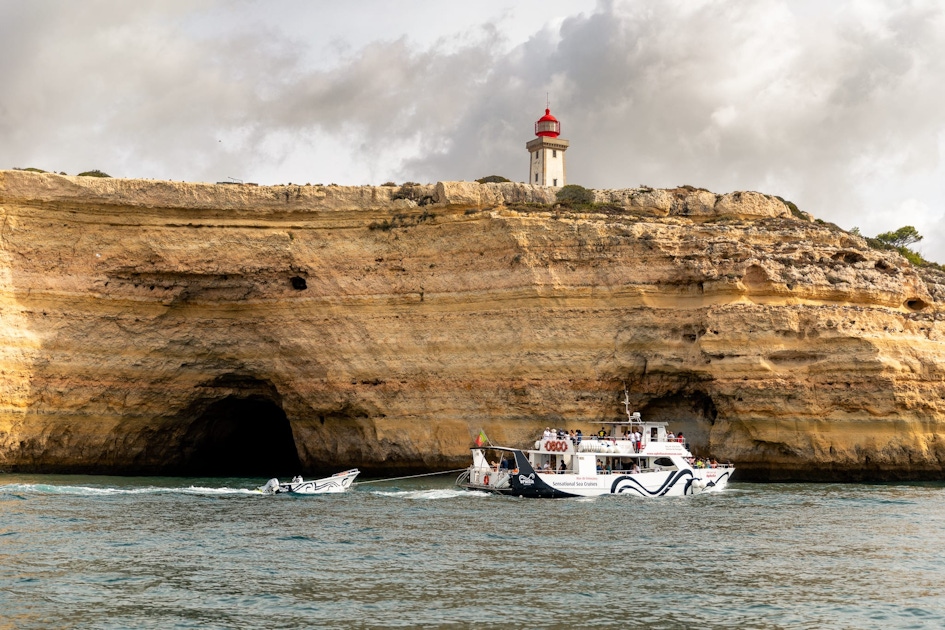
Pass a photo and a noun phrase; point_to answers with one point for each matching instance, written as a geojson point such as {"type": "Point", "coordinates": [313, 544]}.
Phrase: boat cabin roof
{"type": "Point", "coordinates": [635, 422]}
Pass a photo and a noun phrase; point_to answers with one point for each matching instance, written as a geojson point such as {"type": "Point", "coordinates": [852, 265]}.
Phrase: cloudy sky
{"type": "Point", "coordinates": [838, 106]}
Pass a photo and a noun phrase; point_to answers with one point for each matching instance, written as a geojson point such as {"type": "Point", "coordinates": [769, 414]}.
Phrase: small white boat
{"type": "Point", "coordinates": [339, 482]}
{"type": "Point", "coordinates": [656, 465]}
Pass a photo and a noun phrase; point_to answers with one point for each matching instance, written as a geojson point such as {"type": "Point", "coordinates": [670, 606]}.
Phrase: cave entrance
{"type": "Point", "coordinates": [241, 436]}
{"type": "Point", "coordinates": [691, 412]}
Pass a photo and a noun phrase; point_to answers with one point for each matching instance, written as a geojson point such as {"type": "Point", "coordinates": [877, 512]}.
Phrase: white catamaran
{"type": "Point", "coordinates": [633, 457]}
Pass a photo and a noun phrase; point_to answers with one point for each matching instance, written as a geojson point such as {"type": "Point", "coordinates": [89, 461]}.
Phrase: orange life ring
{"type": "Point", "coordinates": [485, 480]}
{"type": "Point", "coordinates": [557, 445]}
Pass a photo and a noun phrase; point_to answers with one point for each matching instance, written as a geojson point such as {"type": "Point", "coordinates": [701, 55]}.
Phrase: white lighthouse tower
{"type": "Point", "coordinates": [546, 153]}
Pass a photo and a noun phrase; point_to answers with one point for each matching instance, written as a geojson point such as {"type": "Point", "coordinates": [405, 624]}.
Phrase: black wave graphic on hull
{"type": "Point", "coordinates": [628, 483]}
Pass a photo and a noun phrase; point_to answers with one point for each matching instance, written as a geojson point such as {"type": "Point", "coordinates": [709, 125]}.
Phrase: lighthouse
{"type": "Point", "coordinates": [546, 153]}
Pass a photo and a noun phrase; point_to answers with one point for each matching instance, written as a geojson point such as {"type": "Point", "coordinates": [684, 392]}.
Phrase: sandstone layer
{"type": "Point", "coordinates": [172, 328]}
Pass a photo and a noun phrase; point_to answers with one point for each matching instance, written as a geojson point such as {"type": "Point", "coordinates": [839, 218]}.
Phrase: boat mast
{"type": "Point", "coordinates": [626, 403]}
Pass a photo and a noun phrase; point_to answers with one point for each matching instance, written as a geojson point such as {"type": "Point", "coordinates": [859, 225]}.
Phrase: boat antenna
{"type": "Point", "coordinates": [632, 418]}
{"type": "Point", "coordinates": [626, 402]}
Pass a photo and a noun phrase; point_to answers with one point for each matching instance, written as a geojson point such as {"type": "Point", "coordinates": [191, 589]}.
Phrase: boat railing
{"type": "Point", "coordinates": [613, 471]}
{"type": "Point", "coordinates": [611, 438]}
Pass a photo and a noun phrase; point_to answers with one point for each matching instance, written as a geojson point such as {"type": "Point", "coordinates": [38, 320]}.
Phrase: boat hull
{"type": "Point", "coordinates": [525, 481]}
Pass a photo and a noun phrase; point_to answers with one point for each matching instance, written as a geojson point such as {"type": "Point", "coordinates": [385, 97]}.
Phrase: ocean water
{"type": "Point", "coordinates": [107, 552]}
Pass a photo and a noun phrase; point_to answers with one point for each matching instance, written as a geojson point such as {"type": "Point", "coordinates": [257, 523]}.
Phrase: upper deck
{"type": "Point", "coordinates": [632, 437]}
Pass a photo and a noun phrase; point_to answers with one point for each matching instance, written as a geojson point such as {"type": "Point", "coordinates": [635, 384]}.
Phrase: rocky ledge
{"type": "Point", "coordinates": [159, 327]}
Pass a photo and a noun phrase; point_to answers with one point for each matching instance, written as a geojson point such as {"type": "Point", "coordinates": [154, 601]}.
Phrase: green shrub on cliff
{"type": "Point", "coordinates": [30, 169]}
{"type": "Point", "coordinates": [414, 192]}
{"type": "Point", "coordinates": [493, 179]}
{"type": "Point", "coordinates": [795, 211]}
{"type": "Point", "coordinates": [573, 194]}
{"type": "Point", "coordinates": [95, 173]}
{"type": "Point", "coordinates": [912, 256]}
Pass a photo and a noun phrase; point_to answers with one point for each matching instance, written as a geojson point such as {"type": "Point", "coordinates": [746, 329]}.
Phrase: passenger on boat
{"type": "Point", "coordinates": [580, 436]}
{"type": "Point", "coordinates": [638, 438]}
{"type": "Point", "coordinates": [680, 438]}
{"type": "Point", "coordinates": [547, 435]}
{"type": "Point", "coordinates": [635, 469]}
{"type": "Point", "coordinates": [602, 433]}
{"type": "Point", "coordinates": [562, 467]}
{"type": "Point", "coordinates": [670, 437]}
{"type": "Point", "coordinates": [297, 479]}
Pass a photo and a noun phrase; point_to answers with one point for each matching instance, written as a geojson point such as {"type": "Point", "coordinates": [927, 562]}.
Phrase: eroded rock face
{"type": "Point", "coordinates": [161, 327]}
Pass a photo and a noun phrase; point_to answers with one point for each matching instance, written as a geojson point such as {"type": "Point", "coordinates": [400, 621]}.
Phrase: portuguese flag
{"type": "Point", "coordinates": [481, 438]}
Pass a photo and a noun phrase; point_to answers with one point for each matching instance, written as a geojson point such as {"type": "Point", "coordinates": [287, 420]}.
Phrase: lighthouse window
{"type": "Point", "coordinates": [554, 182]}
{"type": "Point", "coordinates": [536, 178]}
{"type": "Point", "coordinates": [554, 153]}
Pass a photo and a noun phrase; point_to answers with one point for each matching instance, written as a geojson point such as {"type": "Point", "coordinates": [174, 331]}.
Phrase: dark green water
{"type": "Point", "coordinates": [105, 552]}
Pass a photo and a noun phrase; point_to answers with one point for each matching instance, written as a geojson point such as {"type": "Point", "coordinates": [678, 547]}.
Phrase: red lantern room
{"type": "Point", "coordinates": [546, 153]}
{"type": "Point", "coordinates": [548, 126]}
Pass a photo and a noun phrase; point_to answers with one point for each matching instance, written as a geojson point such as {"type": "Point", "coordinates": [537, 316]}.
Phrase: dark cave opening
{"type": "Point", "coordinates": [240, 436]}
{"type": "Point", "coordinates": [694, 413]}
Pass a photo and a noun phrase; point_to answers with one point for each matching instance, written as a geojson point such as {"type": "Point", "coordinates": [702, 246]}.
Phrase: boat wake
{"type": "Point", "coordinates": [93, 491]}
{"type": "Point", "coordinates": [429, 495]}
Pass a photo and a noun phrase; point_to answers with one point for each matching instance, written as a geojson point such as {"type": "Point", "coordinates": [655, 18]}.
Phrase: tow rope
{"type": "Point", "coordinates": [442, 472]}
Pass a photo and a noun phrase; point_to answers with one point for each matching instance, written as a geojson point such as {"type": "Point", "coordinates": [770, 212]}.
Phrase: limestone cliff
{"type": "Point", "coordinates": [158, 327]}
